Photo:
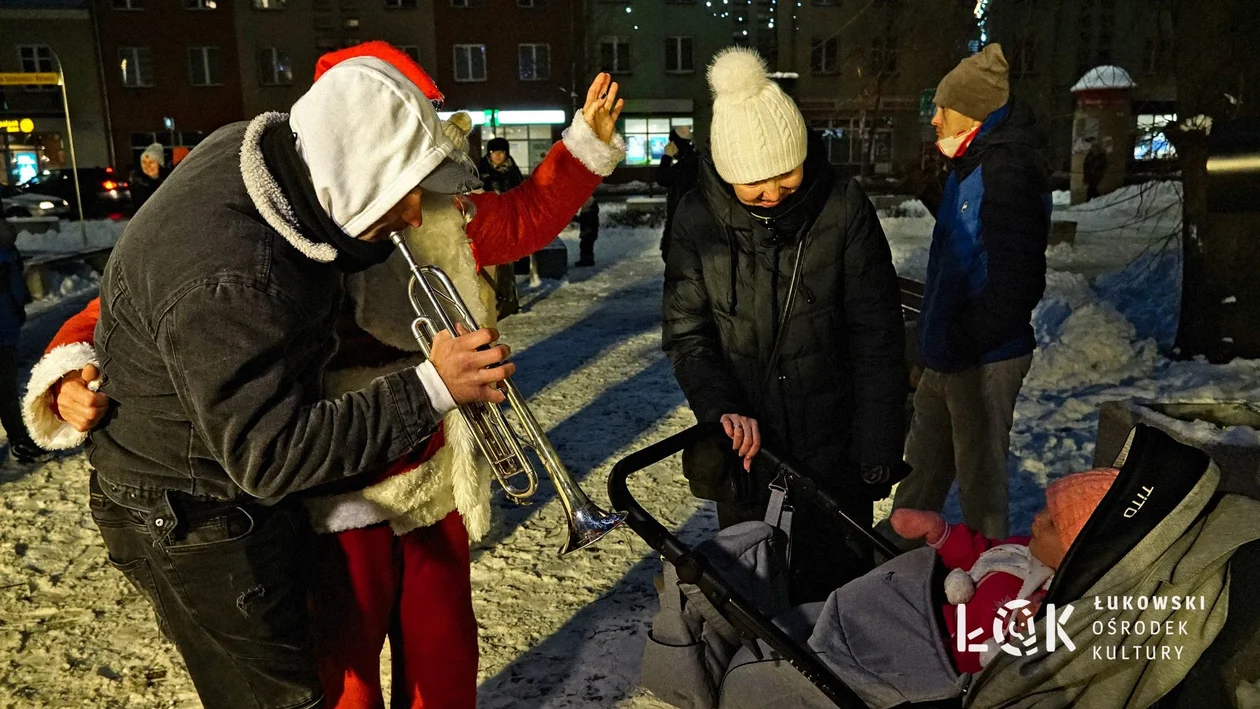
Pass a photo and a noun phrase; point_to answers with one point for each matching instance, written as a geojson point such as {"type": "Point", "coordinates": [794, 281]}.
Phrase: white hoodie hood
{"type": "Point", "coordinates": [369, 136]}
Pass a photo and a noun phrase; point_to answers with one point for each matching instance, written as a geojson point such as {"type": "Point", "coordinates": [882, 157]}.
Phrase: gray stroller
{"type": "Point", "coordinates": [755, 654]}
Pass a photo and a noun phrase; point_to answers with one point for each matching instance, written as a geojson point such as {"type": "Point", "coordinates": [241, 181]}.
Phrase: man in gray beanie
{"type": "Point", "coordinates": [986, 273]}
{"type": "Point", "coordinates": [782, 319]}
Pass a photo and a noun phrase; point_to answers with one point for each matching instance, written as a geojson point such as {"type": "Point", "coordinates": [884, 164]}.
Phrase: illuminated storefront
{"type": "Point", "coordinates": [646, 137]}
{"type": "Point", "coordinates": [530, 133]}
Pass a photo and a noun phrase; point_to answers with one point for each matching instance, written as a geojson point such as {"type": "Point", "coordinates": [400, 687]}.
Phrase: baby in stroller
{"type": "Point", "coordinates": [890, 619]}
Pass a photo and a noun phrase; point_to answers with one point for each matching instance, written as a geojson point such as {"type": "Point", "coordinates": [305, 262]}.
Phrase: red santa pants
{"type": "Point", "coordinates": [414, 589]}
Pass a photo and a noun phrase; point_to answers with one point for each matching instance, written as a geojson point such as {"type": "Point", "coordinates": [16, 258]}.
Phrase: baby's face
{"type": "Point", "coordinates": [1045, 543]}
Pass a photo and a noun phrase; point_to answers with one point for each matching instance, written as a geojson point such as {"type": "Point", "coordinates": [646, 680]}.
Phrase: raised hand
{"type": "Point", "coordinates": [603, 108]}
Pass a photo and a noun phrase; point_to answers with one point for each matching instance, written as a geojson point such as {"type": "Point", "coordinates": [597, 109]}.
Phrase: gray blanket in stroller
{"type": "Point", "coordinates": [880, 635]}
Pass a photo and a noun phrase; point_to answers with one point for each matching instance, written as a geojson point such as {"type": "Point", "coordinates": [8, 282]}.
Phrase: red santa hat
{"type": "Point", "coordinates": [390, 54]}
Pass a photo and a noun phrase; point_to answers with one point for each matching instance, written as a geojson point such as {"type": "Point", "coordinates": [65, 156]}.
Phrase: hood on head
{"type": "Point", "coordinates": [369, 135]}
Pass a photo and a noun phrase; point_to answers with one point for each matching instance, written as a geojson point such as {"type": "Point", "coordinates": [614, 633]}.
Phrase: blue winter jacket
{"type": "Point", "coordinates": [12, 296]}
{"type": "Point", "coordinates": [987, 265]}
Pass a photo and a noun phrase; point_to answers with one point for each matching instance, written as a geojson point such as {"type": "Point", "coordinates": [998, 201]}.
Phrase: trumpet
{"type": "Point", "coordinates": [503, 447]}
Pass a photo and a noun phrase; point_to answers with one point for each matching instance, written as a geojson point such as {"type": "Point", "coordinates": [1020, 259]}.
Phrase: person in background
{"type": "Point", "coordinates": [588, 224]}
{"type": "Point", "coordinates": [1095, 168]}
{"type": "Point", "coordinates": [12, 317]}
{"type": "Point", "coordinates": [986, 273]}
{"type": "Point", "coordinates": [782, 317]}
{"type": "Point", "coordinates": [499, 172]}
{"type": "Point", "coordinates": [678, 173]}
{"type": "Point", "coordinates": [150, 175]}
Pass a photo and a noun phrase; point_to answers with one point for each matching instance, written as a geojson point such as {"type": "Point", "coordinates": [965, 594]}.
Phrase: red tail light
{"type": "Point", "coordinates": [123, 185]}
{"type": "Point", "coordinates": [109, 184]}
{"type": "Point", "coordinates": [109, 171]}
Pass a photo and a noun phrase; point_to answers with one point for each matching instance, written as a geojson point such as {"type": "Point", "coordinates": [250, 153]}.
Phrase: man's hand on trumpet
{"type": "Point", "coordinates": [465, 364]}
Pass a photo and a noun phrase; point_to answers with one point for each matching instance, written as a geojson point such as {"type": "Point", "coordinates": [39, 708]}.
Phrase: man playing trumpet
{"type": "Point", "coordinates": [372, 573]}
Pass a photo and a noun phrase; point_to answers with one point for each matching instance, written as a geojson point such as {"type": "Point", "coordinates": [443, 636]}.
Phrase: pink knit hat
{"type": "Point", "coordinates": [1072, 499]}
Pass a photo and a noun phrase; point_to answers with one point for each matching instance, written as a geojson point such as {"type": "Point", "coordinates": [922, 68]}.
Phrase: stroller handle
{"type": "Point", "coordinates": [693, 568]}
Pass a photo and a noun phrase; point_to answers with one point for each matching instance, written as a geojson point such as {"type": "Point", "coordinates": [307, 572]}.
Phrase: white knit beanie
{"type": "Point", "coordinates": [757, 132]}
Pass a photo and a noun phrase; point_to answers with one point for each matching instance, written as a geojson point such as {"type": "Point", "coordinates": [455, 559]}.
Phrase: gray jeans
{"type": "Point", "coordinates": [962, 428]}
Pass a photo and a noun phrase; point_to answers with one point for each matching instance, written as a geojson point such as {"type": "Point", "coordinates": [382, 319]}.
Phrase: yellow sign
{"type": "Point", "coordinates": [30, 78]}
{"type": "Point", "coordinates": [17, 125]}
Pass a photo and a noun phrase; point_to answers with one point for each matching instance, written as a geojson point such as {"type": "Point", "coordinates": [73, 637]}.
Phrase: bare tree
{"type": "Point", "coordinates": [1217, 79]}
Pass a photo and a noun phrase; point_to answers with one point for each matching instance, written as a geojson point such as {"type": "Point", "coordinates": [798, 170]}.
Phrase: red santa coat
{"type": "Point", "coordinates": [986, 575]}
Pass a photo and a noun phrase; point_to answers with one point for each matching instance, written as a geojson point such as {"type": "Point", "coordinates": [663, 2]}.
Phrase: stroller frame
{"type": "Point", "coordinates": [1149, 456]}
{"type": "Point", "coordinates": [694, 568]}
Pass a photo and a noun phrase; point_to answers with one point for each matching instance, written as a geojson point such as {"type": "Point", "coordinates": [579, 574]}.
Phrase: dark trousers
{"type": "Point", "coordinates": [589, 232]}
{"type": "Point", "coordinates": [10, 403]}
{"type": "Point", "coordinates": [227, 584]}
{"type": "Point", "coordinates": [962, 429]}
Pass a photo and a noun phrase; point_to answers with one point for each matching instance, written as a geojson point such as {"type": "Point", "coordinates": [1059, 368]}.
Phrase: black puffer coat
{"type": "Point", "coordinates": [835, 399]}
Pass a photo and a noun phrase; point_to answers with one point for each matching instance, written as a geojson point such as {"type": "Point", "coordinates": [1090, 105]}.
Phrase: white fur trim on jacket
{"type": "Point", "coordinates": [457, 477]}
{"type": "Point", "coordinates": [50, 432]}
{"type": "Point", "coordinates": [267, 195]}
{"type": "Point", "coordinates": [599, 157]}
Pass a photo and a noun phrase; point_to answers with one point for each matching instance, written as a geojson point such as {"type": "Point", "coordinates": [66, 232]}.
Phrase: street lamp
{"type": "Point", "coordinates": [74, 162]}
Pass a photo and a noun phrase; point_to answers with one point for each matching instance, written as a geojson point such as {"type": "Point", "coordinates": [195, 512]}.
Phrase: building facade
{"type": "Point", "coordinates": [866, 71]}
{"type": "Point", "coordinates": [515, 66]}
{"type": "Point", "coordinates": [279, 41]}
{"type": "Point", "coordinates": [171, 74]}
{"type": "Point", "coordinates": [49, 36]}
{"type": "Point", "coordinates": [658, 51]}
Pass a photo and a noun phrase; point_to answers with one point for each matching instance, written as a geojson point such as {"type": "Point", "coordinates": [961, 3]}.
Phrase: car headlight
{"type": "Point", "coordinates": [46, 205]}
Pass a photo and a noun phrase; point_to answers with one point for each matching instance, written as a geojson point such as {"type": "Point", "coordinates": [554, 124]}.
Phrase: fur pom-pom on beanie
{"type": "Point", "coordinates": [757, 131]}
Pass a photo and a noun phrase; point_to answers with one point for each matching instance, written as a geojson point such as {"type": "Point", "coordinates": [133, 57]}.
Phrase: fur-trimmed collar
{"type": "Point", "coordinates": [267, 195]}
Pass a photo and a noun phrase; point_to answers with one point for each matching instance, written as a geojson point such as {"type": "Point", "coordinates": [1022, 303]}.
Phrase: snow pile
{"type": "Point", "coordinates": [1065, 292]}
{"type": "Point", "coordinates": [1095, 345]}
{"type": "Point", "coordinates": [1102, 77]}
{"type": "Point", "coordinates": [1061, 198]}
{"type": "Point", "coordinates": [70, 237]}
{"type": "Point", "coordinates": [1148, 293]}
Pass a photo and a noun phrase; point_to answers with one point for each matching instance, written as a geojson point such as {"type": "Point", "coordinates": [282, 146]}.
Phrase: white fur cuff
{"type": "Point", "coordinates": [599, 157]}
{"type": "Point", "coordinates": [48, 431]}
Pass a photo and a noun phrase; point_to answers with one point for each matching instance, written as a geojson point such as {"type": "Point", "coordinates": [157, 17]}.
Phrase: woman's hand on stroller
{"type": "Point", "coordinates": [919, 524]}
{"type": "Point", "coordinates": [745, 436]}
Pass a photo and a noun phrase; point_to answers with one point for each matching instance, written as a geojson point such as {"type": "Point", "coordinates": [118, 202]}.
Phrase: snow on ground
{"type": "Point", "coordinates": [73, 236]}
{"type": "Point", "coordinates": [568, 632]}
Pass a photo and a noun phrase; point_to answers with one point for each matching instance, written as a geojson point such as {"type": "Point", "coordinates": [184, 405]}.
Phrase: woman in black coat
{"type": "Point", "coordinates": [782, 320]}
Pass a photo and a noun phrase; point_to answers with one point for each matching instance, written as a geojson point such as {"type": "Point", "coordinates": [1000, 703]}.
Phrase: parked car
{"type": "Point", "coordinates": [106, 194]}
{"type": "Point", "coordinates": [19, 203]}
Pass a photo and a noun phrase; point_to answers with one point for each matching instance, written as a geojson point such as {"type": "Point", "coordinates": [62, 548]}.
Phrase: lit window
{"type": "Point", "coordinates": [534, 61]}
{"type": "Point", "coordinates": [275, 67]}
{"type": "Point", "coordinates": [470, 62]}
{"type": "Point", "coordinates": [136, 64]}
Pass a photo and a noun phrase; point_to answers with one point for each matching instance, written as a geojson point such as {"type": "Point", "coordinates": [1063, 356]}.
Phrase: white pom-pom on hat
{"type": "Point", "coordinates": [738, 73]}
{"type": "Point", "coordinates": [757, 131]}
{"type": "Point", "coordinates": [959, 588]}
